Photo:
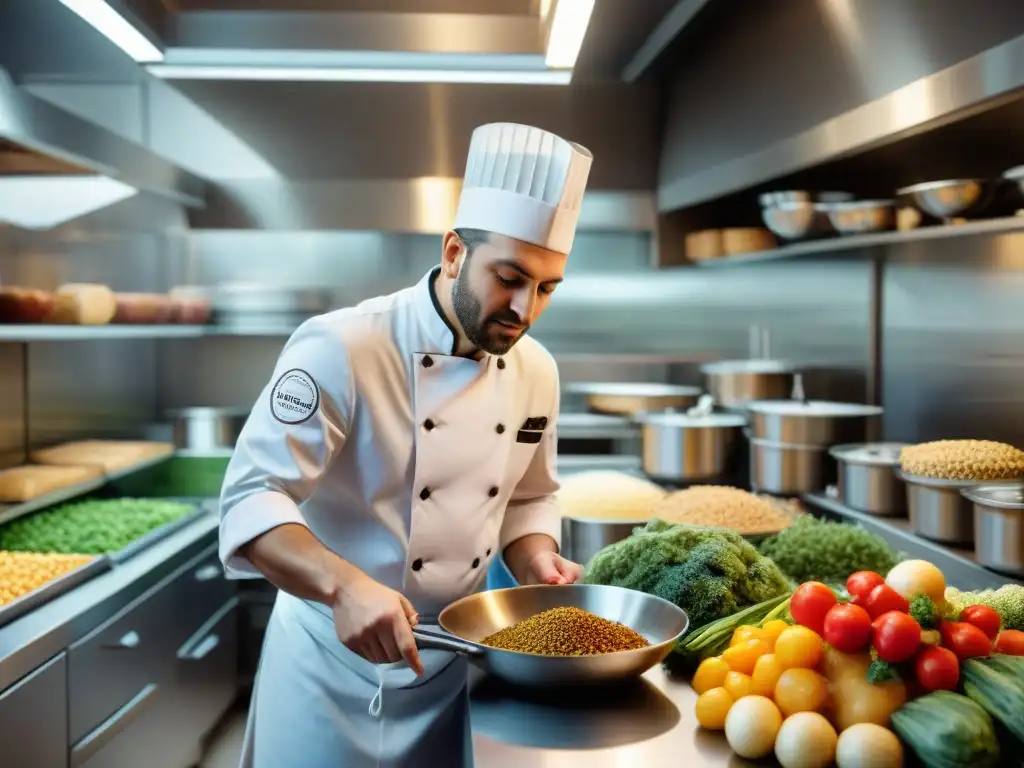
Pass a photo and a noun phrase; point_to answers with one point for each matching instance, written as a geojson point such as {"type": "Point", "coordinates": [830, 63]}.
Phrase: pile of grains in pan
{"type": "Point", "coordinates": [566, 632]}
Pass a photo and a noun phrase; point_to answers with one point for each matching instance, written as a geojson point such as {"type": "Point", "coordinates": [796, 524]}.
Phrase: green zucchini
{"type": "Point", "coordinates": [947, 730]}
{"type": "Point", "coordinates": [997, 684]}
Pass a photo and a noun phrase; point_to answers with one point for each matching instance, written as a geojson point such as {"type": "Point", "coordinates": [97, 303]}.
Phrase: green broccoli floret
{"type": "Point", "coordinates": [880, 671]}
{"type": "Point", "coordinates": [708, 572]}
{"type": "Point", "coordinates": [923, 611]}
{"type": "Point", "coordinates": [1008, 601]}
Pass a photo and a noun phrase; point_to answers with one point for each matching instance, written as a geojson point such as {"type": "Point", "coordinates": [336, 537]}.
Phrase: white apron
{"type": "Point", "coordinates": [417, 467]}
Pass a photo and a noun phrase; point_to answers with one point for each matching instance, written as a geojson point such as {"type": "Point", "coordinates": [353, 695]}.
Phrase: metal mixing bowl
{"type": "Point", "coordinates": [790, 220]}
{"type": "Point", "coordinates": [861, 216]}
{"type": "Point", "coordinates": [948, 198]}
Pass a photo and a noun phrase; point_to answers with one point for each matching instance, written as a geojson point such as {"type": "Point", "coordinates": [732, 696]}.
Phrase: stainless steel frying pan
{"type": "Point", "coordinates": [468, 621]}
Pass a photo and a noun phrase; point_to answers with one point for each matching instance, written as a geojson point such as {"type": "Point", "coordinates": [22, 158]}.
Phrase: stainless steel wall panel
{"type": "Point", "coordinates": [12, 404]}
{"type": "Point", "coordinates": [736, 92]}
{"type": "Point", "coordinates": [614, 317]}
{"type": "Point", "coordinates": [954, 340]}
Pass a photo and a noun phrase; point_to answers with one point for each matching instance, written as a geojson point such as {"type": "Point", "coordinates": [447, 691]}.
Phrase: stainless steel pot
{"type": "Point", "coordinates": [937, 509]}
{"type": "Point", "coordinates": [678, 447]}
{"type": "Point", "coordinates": [866, 478]}
{"type": "Point", "coordinates": [207, 429]}
{"type": "Point", "coordinates": [786, 469]}
{"type": "Point", "coordinates": [998, 526]}
{"type": "Point", "coordinates": [811, 423]}
{"type": "Point", "coordinates": [582, 538]}
{"type": "Point", "coordinates": [627, 398]}
{"type": "Point", "coordinates": [734, 383]}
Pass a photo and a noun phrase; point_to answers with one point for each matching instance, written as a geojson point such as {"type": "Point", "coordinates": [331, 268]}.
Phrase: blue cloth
{"type": "Point", "coordinates": [499, 576]}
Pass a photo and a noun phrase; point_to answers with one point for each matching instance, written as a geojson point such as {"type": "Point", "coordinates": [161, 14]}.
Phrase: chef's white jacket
{"type": "Point", "coordinates": [413, 464]}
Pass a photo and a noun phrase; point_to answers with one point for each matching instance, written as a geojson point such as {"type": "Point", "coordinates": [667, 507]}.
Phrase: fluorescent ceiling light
{"type": "Point", "coordinates": [43, 202]}
{"type": "Point", "coordinates": [346, 75]}
{"type": "Point", "coordinates": [568, 28]}
{"type": "Point", "coordinates": [116, 28]}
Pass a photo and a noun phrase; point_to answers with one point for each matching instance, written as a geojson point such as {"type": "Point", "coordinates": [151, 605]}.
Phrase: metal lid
{"type": "Point", "coordinates": [1002, 496]}
{"type": "Point", "coordinates": [753, 365]}
{"type": "Point", "coordinates": [813, 408]}
{"type": "Point", "coordinates": [877, 454]}
{"type": "Point", "coordinates": [633, 389]}
{"type": "Point", "coordinates": [680, 419]}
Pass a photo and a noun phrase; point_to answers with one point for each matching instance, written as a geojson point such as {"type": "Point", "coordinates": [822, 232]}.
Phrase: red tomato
{"type": "Point", "coordinates": [809, 604]}
{"type": "Point", "coordinates": [984, 618]}
{"type": "Point", "coordinates": [937, 669]}
{"type": "Point", "coordinates": [847, 628]}
{"type": "Point", "coordinates": [883, 599]}
{"type": "Point", "coordinates": [860, 584]}
{"type": "Point", "coordinates": [965, 640]}
{"type": "Point", "coordinates": [1010, 642]}
{"type": "Point", "coordinates": [896, 636]}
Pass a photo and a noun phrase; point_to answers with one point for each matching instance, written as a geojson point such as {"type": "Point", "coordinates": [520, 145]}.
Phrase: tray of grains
{"type": "Point", "coordinates": [721, 506]}
{"type": "Point", "coordinates": [954, 462]}
{"type": "Point", "coordinates": [29, 580]}
{"type": "Point", "coordinates": [555, 635]}
{"type": "Point", "coordinates": [608, 495]}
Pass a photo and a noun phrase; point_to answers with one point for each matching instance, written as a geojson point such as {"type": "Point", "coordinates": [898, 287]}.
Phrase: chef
{"type": "Point", "coordinates": [398, 448]}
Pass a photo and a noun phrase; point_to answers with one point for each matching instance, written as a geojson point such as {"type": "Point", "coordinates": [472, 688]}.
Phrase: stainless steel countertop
{"type": "Point", "coordinates": [36, 637]}
{"type": "Point", "coordinates": [647, 722]}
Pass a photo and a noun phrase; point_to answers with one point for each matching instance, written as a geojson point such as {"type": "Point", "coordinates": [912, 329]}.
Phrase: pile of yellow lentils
{"type": "Point", "coordinates": [566, 632]}
{"type": "Point", "coordinates": [24, 572]}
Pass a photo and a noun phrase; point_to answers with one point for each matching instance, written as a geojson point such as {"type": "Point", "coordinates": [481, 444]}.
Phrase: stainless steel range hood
{"type": "Point", "coordinates": [56, 166]}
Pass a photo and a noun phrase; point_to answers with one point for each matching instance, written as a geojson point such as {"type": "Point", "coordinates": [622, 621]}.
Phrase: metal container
{"type": "Point", "coordinates": [681, 448]}
{"type": "Point", "coordinates": [998, 525]}
{"type": "Point", "coordinates": [860, 216]}
{"type": "Point", "coordinates": [811, 423]}
{"type": "Point", "coordinates": [735, 383]}
{"type": "Point", "coordinates": [628, 398]}
{"type": "Point", "coordinates": [791, 220]}
{"type": "Point", "coordinates": [785, 469]}
{"type": "Point", "coordinates": [937, 509]}
{"type": "Point", "coordinates": [243, 306]}
{"type": "Point", "coordinates": [207, 429]}
{"type": "Point", "coordinates": [583, 538]}
{"type": "Point", "coordinates": [948, 198]}
{"type": "Point", "coordinates": [767, 199]}
{"type": "Point", "coordinates": [866, 479]}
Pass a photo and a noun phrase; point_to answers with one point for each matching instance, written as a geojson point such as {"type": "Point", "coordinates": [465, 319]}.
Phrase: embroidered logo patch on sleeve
{"type": "Point", "coordinates": [295, 397]}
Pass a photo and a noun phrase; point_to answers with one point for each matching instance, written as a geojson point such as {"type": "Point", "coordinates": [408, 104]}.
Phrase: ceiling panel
{"type": "Point", "coordinates": [352, 131]}
{"type": "Point", "coordinates": [381, 6]}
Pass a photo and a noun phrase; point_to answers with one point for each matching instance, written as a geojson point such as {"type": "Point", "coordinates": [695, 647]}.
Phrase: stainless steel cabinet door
{"type": "Point", "coordinates": [34, 719]}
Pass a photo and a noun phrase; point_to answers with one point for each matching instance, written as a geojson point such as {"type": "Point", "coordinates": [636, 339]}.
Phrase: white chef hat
{"type": "Point", "coordinates": [524, 183]}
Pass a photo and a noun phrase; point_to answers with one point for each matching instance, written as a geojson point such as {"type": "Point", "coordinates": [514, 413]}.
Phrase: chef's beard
{"type": "Point", "coordinates": [468, 310]}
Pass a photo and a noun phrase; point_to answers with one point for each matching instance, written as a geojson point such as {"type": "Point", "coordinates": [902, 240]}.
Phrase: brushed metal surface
{"type": "Point", "coordinates": [37, 126]}
{"type": "Point", "coordinates": [735, 388]}
{"type": "Point", "coordinates": [953, 344]}
{"type": "Point", "coordinates": [789, 470]}
{"type": "Point", "coordinates": [207, 36]}
{"type": "Point", "coordinates": [424, 205]}
{"type": "Point", "coordinates": [688, 454]}
{"type": "Point", "coordinates": [34, 718]}
{"type": "Point", "coordinates": [471, 619]}
{"type": "Point", "coordinates": [999, 539]}
{"type": "Point", "coordinates": [841, 77]}
{"type": "Point", "coordinates": [411, 131]}
{"type": "Point", "coordinates": [940, 513]}
{"type": "Point", "coordinates": [824, 424]}
{"type": "Point", "coordinates": [582, 538]}
{"type": "Point", "coordinates": [872, 489]}
{"type": "Point", "coordinates": [12, 402]}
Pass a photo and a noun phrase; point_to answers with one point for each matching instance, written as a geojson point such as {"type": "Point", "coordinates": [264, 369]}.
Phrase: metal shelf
{"type": "Point", "coordinates": [10, 512]}
{"type": "Point", "coordinates": [27, 332]}
{"type": "Point", "coordinates": [871, 240]}
{"type": "Point", "coordinates": [958, 565]}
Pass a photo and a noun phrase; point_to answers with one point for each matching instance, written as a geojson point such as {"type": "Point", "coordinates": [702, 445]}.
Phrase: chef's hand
{"type": "Point", "coordinates": [376, 622]}
{"type": "Point", "coordinates": [552, 568]}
